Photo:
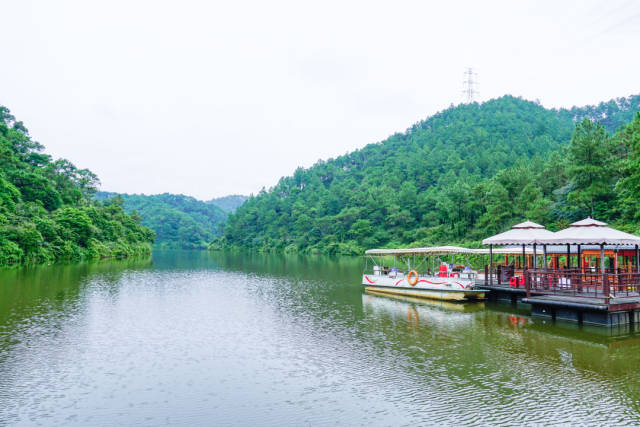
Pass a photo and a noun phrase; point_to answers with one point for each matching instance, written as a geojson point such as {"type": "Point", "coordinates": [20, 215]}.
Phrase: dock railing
{"type": "Point", "coordinates": [587, 283]}
{"type": "Point", "coordinates": [500, 275]}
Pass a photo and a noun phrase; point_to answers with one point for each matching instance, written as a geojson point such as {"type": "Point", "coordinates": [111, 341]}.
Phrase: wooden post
{"type": "Point", "coordinates": [568, 256]}
{"type": "Point", "coordinates": [546, 272]}
{"type": "Point", "coordinates": [579, 258]}
{"type": "Point", "coordinates": [535, 257]}
{"type": "Point", "coordinates": [637, 260]}
{"type": "Point", "coordinates": [579, 275]}
{"type": "Point", "coordinates": [524, 259]}
{"type": "Point", "coordinates": [602, 275]}
{"type": "Point", "coordinates": [490, 264]}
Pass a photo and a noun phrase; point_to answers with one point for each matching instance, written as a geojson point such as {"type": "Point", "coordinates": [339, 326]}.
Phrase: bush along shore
{"type": "Point", "coordinates": [47, 211]}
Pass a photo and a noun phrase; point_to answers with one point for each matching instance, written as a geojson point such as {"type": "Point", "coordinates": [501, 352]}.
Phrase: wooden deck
{"type": "Point", "coordinates": [594, 305]}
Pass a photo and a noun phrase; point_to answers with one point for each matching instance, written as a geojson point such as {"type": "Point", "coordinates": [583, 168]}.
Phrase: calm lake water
{"type": "Point", "coordinates": [192, 338]}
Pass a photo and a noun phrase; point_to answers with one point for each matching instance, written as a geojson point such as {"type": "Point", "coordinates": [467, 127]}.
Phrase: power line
{"type": "Point", "coordinates": [469, 85]}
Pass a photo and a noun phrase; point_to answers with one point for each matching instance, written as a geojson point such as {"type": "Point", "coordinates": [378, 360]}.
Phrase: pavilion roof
{"type": "Point", "coordinates": [526, 233]}
{"type": "Point", "coordinates": [528, 224]}
{"type": "Point", "coordinates": [444, 250]}
{"type": "Point", "coordinates": [590, 231]}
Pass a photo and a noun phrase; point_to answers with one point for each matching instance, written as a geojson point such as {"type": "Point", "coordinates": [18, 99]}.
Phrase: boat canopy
{"type": "Point", "coordinates": [511, 250]}
{"type": "Point", "coordinates": [436, 250]}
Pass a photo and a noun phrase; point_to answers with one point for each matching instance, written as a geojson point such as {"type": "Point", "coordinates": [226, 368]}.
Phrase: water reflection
{"type": "Point", "coordinates": [25, 289]}
{"type": "Point", "coordinates": [417, 311]}
{"type": "Point", "coordinates": [505, 346]}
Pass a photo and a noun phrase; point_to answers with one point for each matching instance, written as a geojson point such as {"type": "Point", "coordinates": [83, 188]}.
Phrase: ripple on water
{"type": "Point", "coordinates": [288, 343]}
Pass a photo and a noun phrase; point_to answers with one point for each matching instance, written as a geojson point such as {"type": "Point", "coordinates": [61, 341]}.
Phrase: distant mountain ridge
{"type": "Point", "coordinates": [611, 114]}
{"type": "Point", "coordinates": [179, 221]}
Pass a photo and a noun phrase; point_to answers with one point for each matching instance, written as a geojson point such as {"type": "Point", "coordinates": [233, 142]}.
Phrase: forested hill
{"type": "Point", "coordinates": [46, 210]}
{"type": "Point", "coordinates": [462, 174]}
{"type": "Point", "coordinates": [611, 114]}
{"type": "Point", "coordinates": [229, 203]}
{"type": "Point", "coordinates": [179, 221]}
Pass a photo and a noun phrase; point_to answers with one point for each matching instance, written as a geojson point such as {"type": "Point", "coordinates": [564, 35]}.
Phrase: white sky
{"type": "Point", "coordinates": [212, 98]}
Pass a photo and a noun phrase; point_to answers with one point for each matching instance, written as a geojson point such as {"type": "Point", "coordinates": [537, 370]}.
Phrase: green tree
{"type": "Point", "coordinates": [499, 208]}
{"type": "Point", "coordinates": [628, 187]}
{"type": "Point", "coordinates": [361, 229]}
{"type": "Point", "coordinates": [590, 166]}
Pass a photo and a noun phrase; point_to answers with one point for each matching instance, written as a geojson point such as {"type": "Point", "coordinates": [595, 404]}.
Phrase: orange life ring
{"type": "Point", "coordinates": [412, 274]}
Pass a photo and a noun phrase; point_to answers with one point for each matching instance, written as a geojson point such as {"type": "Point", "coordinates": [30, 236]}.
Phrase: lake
{"type": "Point", "coordinates": [198, 338]}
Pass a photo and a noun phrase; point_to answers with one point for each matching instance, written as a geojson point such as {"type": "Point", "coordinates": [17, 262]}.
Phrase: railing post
{"type": "Point", "coordinates": [579, 275]}
{"type": "Point", "coordinates": [606, 289]}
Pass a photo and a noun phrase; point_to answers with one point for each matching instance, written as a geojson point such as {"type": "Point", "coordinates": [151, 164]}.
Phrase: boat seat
{"type": "Point", "coordinates": [442, 272]}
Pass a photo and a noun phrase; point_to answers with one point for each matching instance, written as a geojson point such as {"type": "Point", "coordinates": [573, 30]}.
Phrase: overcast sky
{"type": "Point", "coordinates": [212, 98]}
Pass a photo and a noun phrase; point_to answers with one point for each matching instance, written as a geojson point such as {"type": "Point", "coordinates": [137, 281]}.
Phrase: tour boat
{"type": "Point", "coordinates": [426, 274]}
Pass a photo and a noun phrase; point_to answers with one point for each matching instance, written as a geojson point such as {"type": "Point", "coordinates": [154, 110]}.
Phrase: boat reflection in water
{"type": "Point", "coordinates": [416, 310]}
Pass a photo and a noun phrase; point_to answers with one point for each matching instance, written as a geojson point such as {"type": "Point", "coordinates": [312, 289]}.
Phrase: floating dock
{"type": "Point", "coordinates": [566, 305]}
{"type": "Point", "coordinates": [601, 288]}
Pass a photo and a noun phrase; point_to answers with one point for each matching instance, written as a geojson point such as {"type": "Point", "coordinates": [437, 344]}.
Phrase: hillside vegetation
{"type": "Point", "coordinates": [461, 175]}
{"type": "Point", "coordinates": [229, 203]}
{"type": "Point", "coordinates": [179, 221]}
{"type": "Point", "coordinates": [46, 209]}
{"type": "Point", "coordinates": [611, 114]}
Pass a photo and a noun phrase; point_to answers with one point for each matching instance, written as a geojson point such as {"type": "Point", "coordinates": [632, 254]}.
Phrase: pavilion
{"type": "Point", "coordinates": [590, 231]}
{"type": "Point", "coordinates": [593, 232]}
{"type": "Point", "coordinates": [588, 240]}
{"type": "Point", "coordinates": [527, 233]}
{"type": "Point", "coordinates": [603, 293]}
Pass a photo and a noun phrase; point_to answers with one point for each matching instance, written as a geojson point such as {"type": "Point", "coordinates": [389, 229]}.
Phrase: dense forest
{"type": "Point", "coordinates": [46, 209]}
{"type": "Point", "coordinates": [180, 222]}
{"type": "Point", "coordinates": [463, 174]}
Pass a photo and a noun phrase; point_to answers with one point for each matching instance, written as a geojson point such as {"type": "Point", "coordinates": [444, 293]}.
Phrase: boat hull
{"type": "Point", "coordinates": [444, 295]}
{"type": "Point", "coordinates": [445, 289]}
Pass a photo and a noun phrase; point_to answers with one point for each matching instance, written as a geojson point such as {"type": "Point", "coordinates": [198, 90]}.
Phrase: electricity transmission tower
{"type": "Point", "coordinates": [469, 85]}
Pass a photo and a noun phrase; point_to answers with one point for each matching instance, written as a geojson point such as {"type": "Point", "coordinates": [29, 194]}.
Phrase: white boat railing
{"type": "Point", "coordinates": [399, 274]}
